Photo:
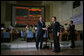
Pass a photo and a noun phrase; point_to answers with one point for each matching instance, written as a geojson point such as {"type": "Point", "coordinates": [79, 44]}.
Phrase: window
{"type": "Point", "coordinates": [76, 4]}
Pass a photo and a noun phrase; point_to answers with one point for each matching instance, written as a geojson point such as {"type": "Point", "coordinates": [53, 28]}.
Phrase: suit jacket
{"type": "Point", "coordinates": [40, 25]}
{"type": "Point", "coordinates": [55, 27]}
{"type": "Point", "coordinates": [72, 29]}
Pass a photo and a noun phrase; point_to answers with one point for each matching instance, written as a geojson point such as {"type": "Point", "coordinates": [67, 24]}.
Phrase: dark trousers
{"type": "Point", "coordinates": [39, 39]}
{"type": "Point", "coordinates": [72, 40]}
{"type": "Point", "coordinates": [56, 43]}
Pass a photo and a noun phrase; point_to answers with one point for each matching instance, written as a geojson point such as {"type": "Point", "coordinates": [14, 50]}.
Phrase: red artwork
{"type": "Point", "coordinates": [27, 15]}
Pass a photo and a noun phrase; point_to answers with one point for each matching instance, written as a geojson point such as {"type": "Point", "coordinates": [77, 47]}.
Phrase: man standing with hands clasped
{"type": "Point", "coordinates": [40, 32]}
{"type": "Point", "coordinates": [56, 32]}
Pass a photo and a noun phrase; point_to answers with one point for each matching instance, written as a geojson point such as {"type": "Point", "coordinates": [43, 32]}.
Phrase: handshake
{"type": "Point", "coordinates": [44, 28]}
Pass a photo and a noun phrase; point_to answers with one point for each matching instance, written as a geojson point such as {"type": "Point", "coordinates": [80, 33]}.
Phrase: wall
{"type": "Point", "coordinates": [6, 9]}
{"type": "Point", "coordinates": [78, 11]}
{"type": "Point", "coordinates": [3, 12]}
{"type": "Point", "coordinates": [63, 10]}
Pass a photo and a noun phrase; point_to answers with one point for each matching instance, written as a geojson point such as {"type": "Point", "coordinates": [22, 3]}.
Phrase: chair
{"type": "Point", "coordinates": [6, 36]}
{"type": "Point", "coordinates": [23, 34]}
{"type": "Point", "coordinates": [1, 36]}
{"type": "Point", "coordinates": [30, 34]}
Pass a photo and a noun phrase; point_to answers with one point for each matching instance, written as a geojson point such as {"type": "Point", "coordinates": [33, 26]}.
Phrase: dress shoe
{"type": "Point", "coordinates": [41, 48]}
{"type": "Point", "coordinates": [72, 46]}
{"type": "Point", "coordinates": [37, 48]}
{"type": "Point", "coordinates": [56, 51]}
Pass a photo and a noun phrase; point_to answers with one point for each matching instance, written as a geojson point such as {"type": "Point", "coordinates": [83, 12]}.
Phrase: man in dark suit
{"type": "Point", "coordinates": [56, 31]}
{"type": "Point", "coordinates": [40, 32]}
{"type": "Point", "coordinates": [72, 33]}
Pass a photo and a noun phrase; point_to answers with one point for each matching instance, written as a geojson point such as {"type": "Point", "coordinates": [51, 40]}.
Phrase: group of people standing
{"type": "Point", "coordinates": [55, 27]}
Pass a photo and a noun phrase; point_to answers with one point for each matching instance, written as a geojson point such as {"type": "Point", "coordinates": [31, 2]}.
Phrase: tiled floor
{"type": "Point", "coordinates": [28, 48]}
{"type": "Point", "coordinates": [64, 51]}
{"type": "Point", "coordinates": [24, 44]}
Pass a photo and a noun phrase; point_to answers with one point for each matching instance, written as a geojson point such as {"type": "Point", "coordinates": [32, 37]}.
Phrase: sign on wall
{"type": "Point", "coordinates": [78, 19]}
{"type": "Point", "coordinates": [22, 16]}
